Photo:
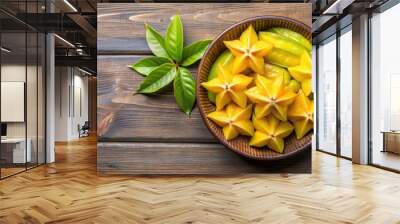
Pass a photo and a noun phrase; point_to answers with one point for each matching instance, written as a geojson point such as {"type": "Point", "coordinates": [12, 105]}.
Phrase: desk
{"type": "Point", "coordinates": [18, 150]}
{"type": "Point", "coordinates": [391, 141]}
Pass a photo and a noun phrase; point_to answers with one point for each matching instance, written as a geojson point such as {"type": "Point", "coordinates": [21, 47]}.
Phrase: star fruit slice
{"type": "Point", "coordinates": [270, 96]}
{"type": "Point", "coordinates": [228, 87]}
{"type": "Point", "coordinates": [224, 59]}
{"type": "Point", "coordinates": [301, 114]}
{"type": "Point", "coordinates": [303, 73]}
{"type": "Point", "coordinates": [234, 121]}
{"type": "Point", "coordinates": [249, 51]}
{"type": "Point", "coordinates": [270, 132]}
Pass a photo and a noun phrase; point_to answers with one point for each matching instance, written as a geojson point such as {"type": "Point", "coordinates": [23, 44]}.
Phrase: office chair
{"type": "Point", "coordinates": [84, 130]}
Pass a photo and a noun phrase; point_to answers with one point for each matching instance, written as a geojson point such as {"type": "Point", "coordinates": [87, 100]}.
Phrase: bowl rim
{"type": "Point", "coordinates": [198, 86]}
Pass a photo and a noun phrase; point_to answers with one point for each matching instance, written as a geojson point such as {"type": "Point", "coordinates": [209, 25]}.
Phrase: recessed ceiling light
{"type": "Point", "coordinates": [5, 50]}
{"type": "Point", "coordinates": [338, 6]}
{"type": "Point", "coordinates": [65, 41]}
{"type": "Point", "coordinates": [70, 5]}
{"type": "Point", "coordinates": [84, 71]}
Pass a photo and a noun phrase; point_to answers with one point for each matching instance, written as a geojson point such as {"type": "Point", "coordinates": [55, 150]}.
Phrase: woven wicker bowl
{"type": "Point", "coordinates": [241, 144]}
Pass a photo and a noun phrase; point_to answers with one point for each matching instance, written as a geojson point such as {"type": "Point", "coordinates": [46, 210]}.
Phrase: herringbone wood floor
{"type": "Point", "coordinates": [70, 191]}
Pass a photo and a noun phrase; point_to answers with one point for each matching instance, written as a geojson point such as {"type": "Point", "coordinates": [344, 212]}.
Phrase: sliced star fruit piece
{"type": "Point", "coordinates": [234, 121]}
{"type": "Point", "coordinates": [270, 96]}
{"type": "Point", "coordinates": [225, 59]}
{"type": "Point", "coordinates": [249, 51]}
{"type": "Point", "coordinates": [270, 132]}
{"type": "Point", "coordinates": [303, 73]}
{"type": "Point", "coordinates": [228, 87]}
{"type": "Point", "coordinates": [301, 114]}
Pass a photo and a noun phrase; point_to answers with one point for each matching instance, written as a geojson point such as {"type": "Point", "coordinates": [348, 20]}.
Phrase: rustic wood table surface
{"type": "Point", "coordinates": [140, 134]}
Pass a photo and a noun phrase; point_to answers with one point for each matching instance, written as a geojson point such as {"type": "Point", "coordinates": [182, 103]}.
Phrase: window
{"type": "Point", "coordinates": [346, 92]}
{"type": "Point", "coordinates": [385, 89]}
{"type": "Point", "coordinates": [327, 95]}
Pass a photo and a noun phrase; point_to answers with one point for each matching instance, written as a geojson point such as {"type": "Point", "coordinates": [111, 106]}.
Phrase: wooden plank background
{"type": "Point", "coordinates": [154, 136]}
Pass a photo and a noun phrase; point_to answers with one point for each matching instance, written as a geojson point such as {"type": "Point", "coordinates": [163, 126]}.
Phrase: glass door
{"type": "Point", "coordinates": [326, 124]}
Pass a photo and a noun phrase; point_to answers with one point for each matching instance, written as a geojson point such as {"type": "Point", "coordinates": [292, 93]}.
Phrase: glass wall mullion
{"type": "Point", "coordinates": [338, 72]}
{"type": "Point", "coordinates": [316, 101]}
{"type": "Point", "coordinates": [369, 77]}
{"type": "Point", "coordinates": [37, 98]}
{"type": "Point", "coordinates": [1, 158]}
{"type": "Point", "coordinates": [26, 87]}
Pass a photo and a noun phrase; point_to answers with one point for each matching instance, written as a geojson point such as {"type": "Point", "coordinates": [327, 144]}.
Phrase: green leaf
{"type": "Point", "coordinates": [184, 90]}
{"type": "Point", "coordinates": [194, 52]}
{"type": "Point", "coordinates": [155, 42]}
{"type": "Point", "coordinates": [174, 38]}
{"type": "Point", "coordinates": [158, 78]}
{"type": "Point", "coordinates": [146, 65]}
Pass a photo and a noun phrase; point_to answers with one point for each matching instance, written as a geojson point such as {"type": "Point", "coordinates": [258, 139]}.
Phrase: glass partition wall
{"type": "Point", "coordinates": [22, 78]}
{"type": "Point", "coordinates": [334, 94]}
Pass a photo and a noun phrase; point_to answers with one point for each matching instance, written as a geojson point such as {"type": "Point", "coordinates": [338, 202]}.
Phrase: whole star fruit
{"type": "Point", "coordinates": [234, 121]}
{"type": "Point", "coordinates": [290, 34]}
{"type": "Point", "coordinates": [301, 114]}
{"type": "Point", "coordinates": [293, 85]}
{"type": "Point", "coordinates": [273, 71]}
{"type": "Point", "coordinates": [270, 97]}
{"type": "Point", "coordinates": [228, 87]}
{"type": "Point", "coordinates": [282, 58]}
{"type": "Point", "coordinates": [283, 43]}
{"type": "Point", "coordinates": [303, 73]}
{"type": "Point", "coordinates": [270, 132]}
{"type": "Point", "coordinates": [249, 51]}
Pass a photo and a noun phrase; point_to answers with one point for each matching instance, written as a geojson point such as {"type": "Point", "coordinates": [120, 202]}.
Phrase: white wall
{"type": "Point", "coordinates": [33, 126]}
{"type": "Point", "coordinates": [70, 83]}
{"type": "Point", "coordinates": [62, 81]}
{"type": "Point", "coordinates": [14, 73]}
